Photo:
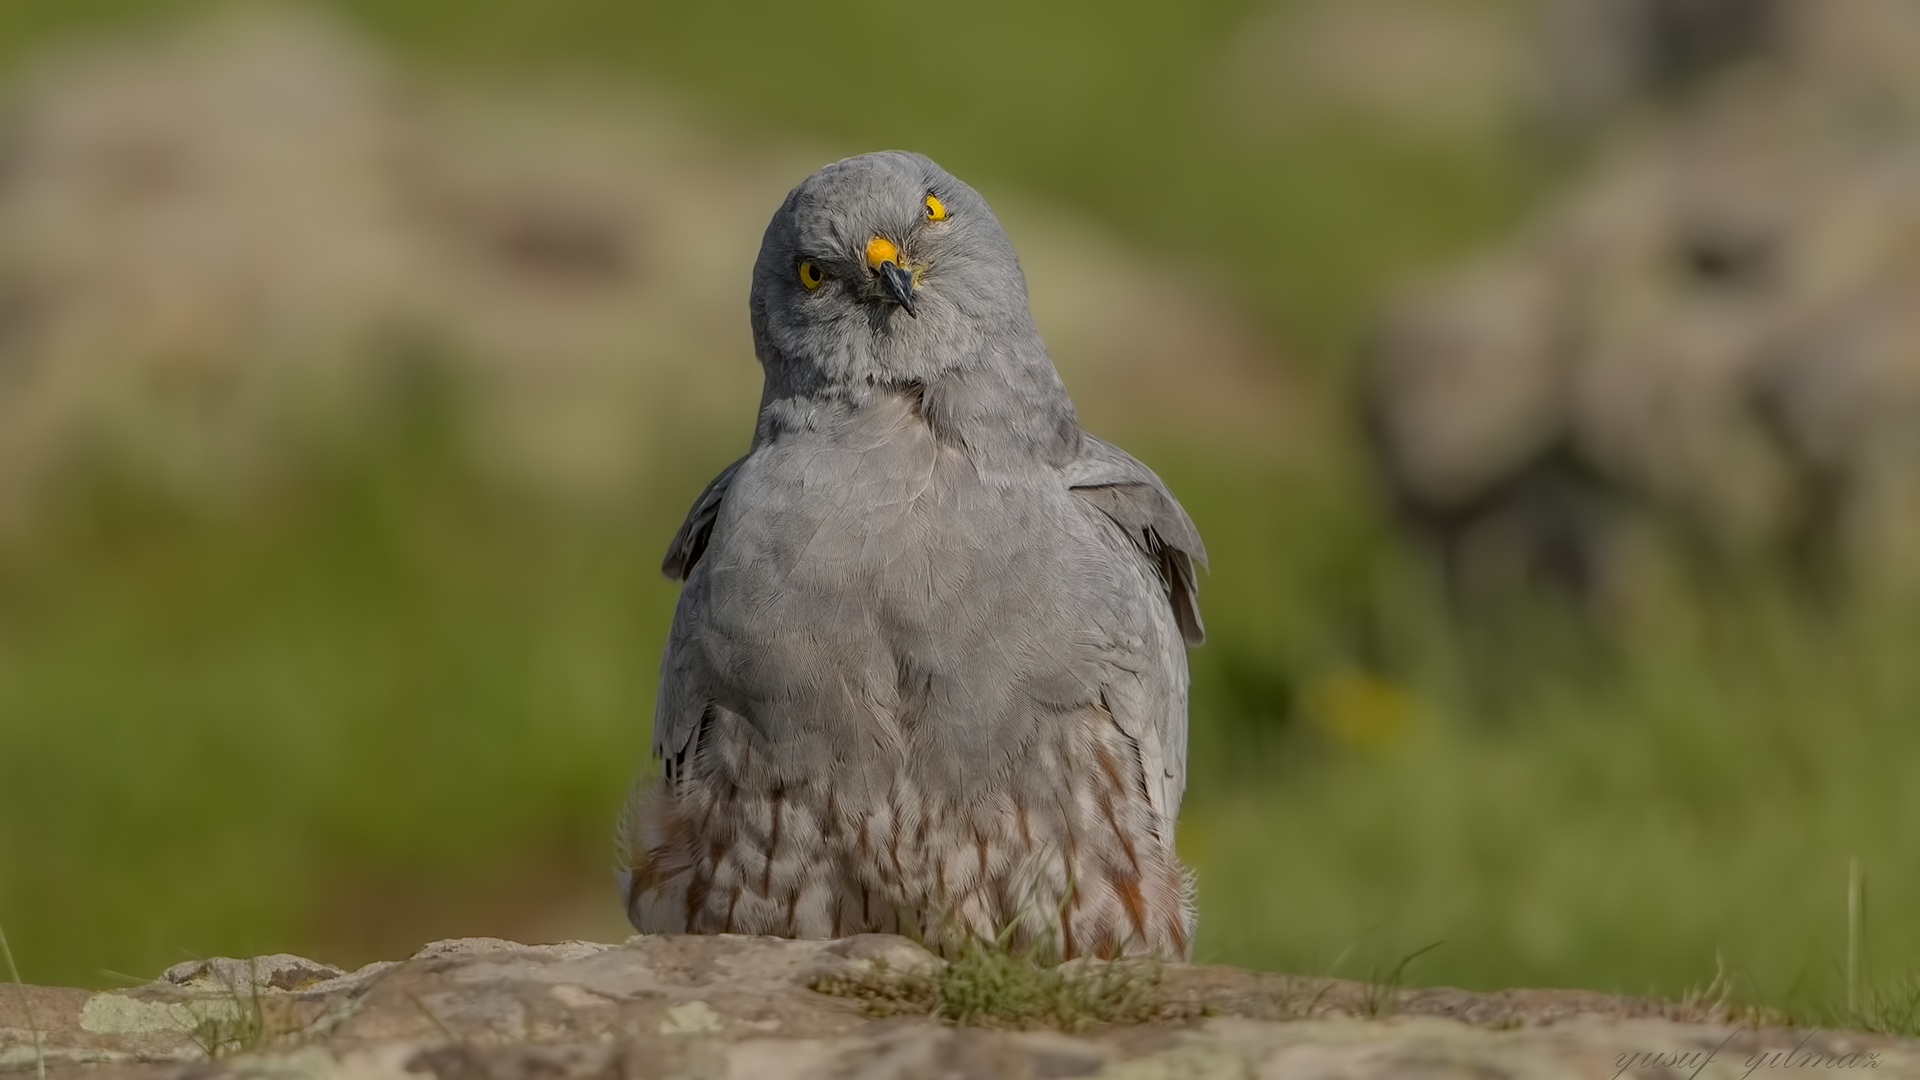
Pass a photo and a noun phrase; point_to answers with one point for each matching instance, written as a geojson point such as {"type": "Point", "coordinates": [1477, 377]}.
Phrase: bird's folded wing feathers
{"type": "Point", "coordinates": [1131, 495]}
{"type": "Point", "coordinates": [677, 712]}
{"type": "Point", "coordinates": [691, 541]}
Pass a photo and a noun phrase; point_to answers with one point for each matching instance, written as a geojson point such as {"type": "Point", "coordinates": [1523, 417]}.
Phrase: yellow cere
{"type": "Point", "coordinates": [936, 210]}
{"type": "Point", "coordinates": [879, 250]}
{"type": "Point", "coordinates": [810, 275]}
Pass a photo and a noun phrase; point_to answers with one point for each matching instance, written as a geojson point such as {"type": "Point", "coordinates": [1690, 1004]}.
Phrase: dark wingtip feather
{"type": "Point", "coordinates": [690, 541]}
{"type": "Point", "coordinates": [1184, 591]}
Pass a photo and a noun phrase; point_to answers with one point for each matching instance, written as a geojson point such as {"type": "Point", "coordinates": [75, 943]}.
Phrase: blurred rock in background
{"type": "Point", "coordinates": [1444, 71]}
{"type": "Point", "coordinates": [1603, 56]}
{"type": "Point", "coordinates": [1709, 345]}
{"type": "Point", "coordinates": [228, 245]}
{"type": "Point", "coordinates": [1474, 68]}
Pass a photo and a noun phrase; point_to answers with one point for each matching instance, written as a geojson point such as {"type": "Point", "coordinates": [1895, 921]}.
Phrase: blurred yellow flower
{"type": "Point", "coordinates": [1360, 709]}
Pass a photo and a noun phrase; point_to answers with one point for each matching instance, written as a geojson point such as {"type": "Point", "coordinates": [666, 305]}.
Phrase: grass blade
{"type": "Point", "coordinates": [26, 1003]}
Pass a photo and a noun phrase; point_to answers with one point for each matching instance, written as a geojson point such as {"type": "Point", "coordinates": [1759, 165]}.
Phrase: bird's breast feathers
{"type": "Point", "coordinates": [895, 517]}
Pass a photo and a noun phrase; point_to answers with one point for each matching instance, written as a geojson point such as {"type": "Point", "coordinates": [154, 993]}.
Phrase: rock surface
{"type": "Point", "coordinates": [745, 1007]}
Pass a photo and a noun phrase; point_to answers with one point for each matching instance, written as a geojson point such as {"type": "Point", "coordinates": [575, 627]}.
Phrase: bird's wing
{"type": "Point", "coordinates": [1150, 707]}
{"type": "Point", "coordinates": [691, 541]}
{"type": "Point", "coordinates": [677, 715]}
{"type": "Point", "coordinates": [1129, 494]}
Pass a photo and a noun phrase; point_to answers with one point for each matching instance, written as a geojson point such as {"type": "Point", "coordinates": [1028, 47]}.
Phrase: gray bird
{"type": "Point", "coordinates": [927, 674]}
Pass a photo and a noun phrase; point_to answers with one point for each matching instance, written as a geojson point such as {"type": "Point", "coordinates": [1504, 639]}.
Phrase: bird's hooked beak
{"type": "Point", "coordinates": [883, 258]}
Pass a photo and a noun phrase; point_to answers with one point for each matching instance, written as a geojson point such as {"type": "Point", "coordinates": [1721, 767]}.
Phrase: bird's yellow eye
{"type": "Point", "coordinates": [810, 275]}
{"type": "Point", "coordinates": [936, 210]}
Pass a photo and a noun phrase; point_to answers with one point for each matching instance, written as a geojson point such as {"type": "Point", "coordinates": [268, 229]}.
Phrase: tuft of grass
{"type": "Point", "coordinates": [220, 1033]}
{"type": "Point", "coordinates": [1889, 1008]}
{"type": "Point", "coordinates": [1885, 1007]}
{"type": "Point", "coordinates": [241, 1025]}
{"type": "Point", "coordinates": [989, 985]}
{"type": "Point", "coordinates": [1730, 997]}
{"type": "Point", "coordinates": [26, 1004]}
{"type": "Point", "coordinates": [1383, 995]}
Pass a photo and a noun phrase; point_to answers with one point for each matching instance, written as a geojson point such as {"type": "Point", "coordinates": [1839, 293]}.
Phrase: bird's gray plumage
{"type": "Point", "coordinates": [927, 669]}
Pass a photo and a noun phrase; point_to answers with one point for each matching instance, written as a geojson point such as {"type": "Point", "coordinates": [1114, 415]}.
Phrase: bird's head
{"type": "Point", "coordinates": [884, 267]}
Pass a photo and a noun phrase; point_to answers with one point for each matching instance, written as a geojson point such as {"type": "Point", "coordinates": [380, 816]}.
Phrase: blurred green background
{"type": "Point", "coordinates": [382, 689]}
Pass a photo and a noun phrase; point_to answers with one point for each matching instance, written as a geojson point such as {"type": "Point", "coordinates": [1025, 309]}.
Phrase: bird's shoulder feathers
{"type": "Point", "coordinates": [690, 542]}
{"type": "Point", "coordinates": [1132, 497]}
